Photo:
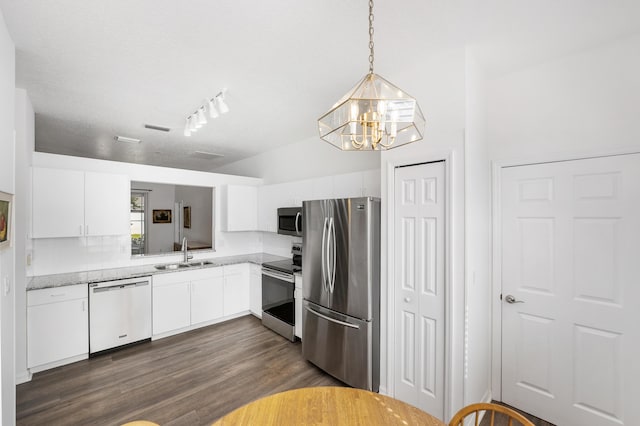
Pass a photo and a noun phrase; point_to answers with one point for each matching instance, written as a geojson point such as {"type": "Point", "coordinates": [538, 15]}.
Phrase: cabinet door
{"type": "Point", "coordinates": [207, 299]}
{"type": "Point", "coordinates": [58, 203]}
{"type": "Point", "coordinates": [171, 307]}
{"type": "Point", "coordinates": [236, 289]}
{"type": "Point", "coordinates": [56, 331]}
{"type": "Point", "coordinates": [241, 208]}
{"type": "Point", "coordinates": [107, 199]}
{"type": "Point", "coordinates": [255, 290]}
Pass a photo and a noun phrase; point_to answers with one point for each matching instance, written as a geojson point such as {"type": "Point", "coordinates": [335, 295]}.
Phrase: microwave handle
{"type": "Point", "coordinates": [298, 217]}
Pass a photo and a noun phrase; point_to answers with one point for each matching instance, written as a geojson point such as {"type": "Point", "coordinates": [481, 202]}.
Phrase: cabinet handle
{"type": "Point", "coordinates": [58, 295]}
{"type": "Point", "coordinates": [83, 306]}
{"type": "Point", "coordinates": [86, 232]}
{"type": "Point", "coordinates": [81, 229]}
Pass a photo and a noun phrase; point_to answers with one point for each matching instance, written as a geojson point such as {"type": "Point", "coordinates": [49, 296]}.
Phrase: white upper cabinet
{"type": "Point", "coordinates": [58, 203]}
{"type": "Point", "coordinates": [239, 208]}
{"type": "Point", "coordinates": [106, 204]}
{"type": "Point", "coordinates": [71, 203]}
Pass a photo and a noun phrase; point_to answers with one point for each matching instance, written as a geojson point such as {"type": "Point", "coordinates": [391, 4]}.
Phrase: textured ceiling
{"type": "Point", "coordinates": [94, 70]}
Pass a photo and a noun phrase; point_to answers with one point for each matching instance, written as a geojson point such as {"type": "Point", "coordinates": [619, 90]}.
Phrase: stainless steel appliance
{"type": "Point", "coordinates": [290, 221]}
{"type": "Point", "coordinates": [119, 313]}
{"type": "Point", "coordinates": [341, 276]}
{"type": "Point", "coordinates": [278, 287]}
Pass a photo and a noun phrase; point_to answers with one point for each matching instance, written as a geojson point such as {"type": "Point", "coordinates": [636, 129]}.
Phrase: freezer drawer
{"type": "Point", "coordinates": [340, 345]}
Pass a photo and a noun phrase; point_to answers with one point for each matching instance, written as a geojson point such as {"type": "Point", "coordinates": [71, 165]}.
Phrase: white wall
{"type": "Point", "coordinates": [579, 104]}
{"type": "Point", "coordinates": [201, 203]}
{"type": "Point", "coordinates": [477, 365]}
{"type": "Point", "coordinates": [7, 184]}
{"type": "Point", "coordinates": [302, 160]}
{"type": "Point", "coordinates": [440, 92]}
{"type": "Point", "coordinates": [160, 235]}
{"type": "Point", "coordinates": [25, 142]}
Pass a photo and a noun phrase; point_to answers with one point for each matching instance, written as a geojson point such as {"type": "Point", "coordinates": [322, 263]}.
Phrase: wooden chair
{"type": "Point", "coordinates": [458, 419]}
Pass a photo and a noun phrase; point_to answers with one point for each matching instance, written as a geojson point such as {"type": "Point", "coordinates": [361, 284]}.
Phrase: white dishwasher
{"type": "Point", "coordinates": [119, 313]}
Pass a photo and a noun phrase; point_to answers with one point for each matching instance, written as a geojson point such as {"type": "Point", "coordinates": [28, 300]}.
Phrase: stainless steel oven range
{"type": "Point", "coordinates": [278, 286]}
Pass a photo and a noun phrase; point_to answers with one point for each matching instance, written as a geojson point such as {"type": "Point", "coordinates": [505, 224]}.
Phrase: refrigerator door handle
{"type": "Point", "coordinates": [323, 254]}
{"type": "Point", "coordinates": [328, 318]}
{"type": "Point", "coordinates": [332, 227]}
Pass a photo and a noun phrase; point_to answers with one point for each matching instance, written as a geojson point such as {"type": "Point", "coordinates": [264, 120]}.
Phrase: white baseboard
{"type": "Point", "coordinates": [383, 391]}
{"type": "Point", "coordinates": [23, 377]}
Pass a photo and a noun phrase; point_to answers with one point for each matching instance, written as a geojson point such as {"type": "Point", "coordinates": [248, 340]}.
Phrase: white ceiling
{"type": "Point", "coordinates": [94, 70]}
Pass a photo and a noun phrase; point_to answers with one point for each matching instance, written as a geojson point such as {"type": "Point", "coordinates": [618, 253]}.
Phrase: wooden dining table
{"type": "Point", "coordinates": [328, 406]}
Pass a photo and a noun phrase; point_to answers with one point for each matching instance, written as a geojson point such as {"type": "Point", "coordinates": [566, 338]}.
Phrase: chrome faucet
{"type": "Point", "coordinates": [185, 251]}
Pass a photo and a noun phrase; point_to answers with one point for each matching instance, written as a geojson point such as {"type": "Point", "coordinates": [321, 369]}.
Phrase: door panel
{"type": "Point", "coordinates": [419, 282]}
{"type": "Point", "coordinates": [570, 250]}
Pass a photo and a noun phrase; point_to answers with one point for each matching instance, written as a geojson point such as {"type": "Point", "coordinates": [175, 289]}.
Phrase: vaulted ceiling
{"type": "Point", "coordinates": [95, 70]}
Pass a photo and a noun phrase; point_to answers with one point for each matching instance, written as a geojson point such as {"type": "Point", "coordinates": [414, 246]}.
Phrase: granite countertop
{"type": "Point", "coordinates": [60, 280]}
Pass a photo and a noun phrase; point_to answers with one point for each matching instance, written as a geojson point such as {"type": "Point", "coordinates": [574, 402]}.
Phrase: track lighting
{"type": "Point", "coordinates": [215, 105]}
{"type": "Point", "coordinates": [221, 104]}
{"type": "Point", "coordinates": [213, 111]}
{"type": "Point", "coordinates": [187, 127]}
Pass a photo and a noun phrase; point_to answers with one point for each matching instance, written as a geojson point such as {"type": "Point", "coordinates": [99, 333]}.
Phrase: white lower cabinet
{"type": "Point", "coordinates": [171, 305]}
{"type": "Point", "coordinates": [255, 290]}
{"type": "Point", "coordinates": [207, 298]}
{"type": "Point", "coordinates": [57, 326]}
{"type": "Point", "coordinates": [298, 306]}
{"type": "Point", "coordinates": [189, 299]}
{"type": "Point", "coordinates": [236, 289]}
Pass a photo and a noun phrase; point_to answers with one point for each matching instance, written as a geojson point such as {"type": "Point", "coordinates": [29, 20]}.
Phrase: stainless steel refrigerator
{"type": "Point", "coordinates": [341, 288]}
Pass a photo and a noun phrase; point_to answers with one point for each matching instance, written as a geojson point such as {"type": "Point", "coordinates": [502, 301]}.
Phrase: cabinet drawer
{"type": "Point", "coordinates": [57, 294]}
{"type": "Point", "coordinates": [185, 276]}
{"type": "Point", "coordinates": [239, 268]}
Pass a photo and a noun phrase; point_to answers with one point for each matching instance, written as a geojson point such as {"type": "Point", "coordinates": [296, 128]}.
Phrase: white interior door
{"type": "Point", "coordinates": [571, 254]}
{"type": "Point", "coordinates": [419, 231]}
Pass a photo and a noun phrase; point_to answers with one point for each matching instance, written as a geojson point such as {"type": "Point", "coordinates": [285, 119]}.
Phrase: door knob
{"type": "Point", "coordinates": [510, 299]}
{"type": "Point", "coordinates": [407, 299]}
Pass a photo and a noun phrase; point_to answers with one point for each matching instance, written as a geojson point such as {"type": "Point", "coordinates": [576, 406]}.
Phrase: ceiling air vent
{"type": "Point", "coordinates": [159, 128]}
{"type": "Point", "coordinates": [206, 155]}
{"type": "Point", "coordinates": [126, 139]}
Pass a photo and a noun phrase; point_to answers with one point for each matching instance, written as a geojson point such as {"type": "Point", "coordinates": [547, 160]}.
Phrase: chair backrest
{"type": "Point", "coordinates": [491, 410]}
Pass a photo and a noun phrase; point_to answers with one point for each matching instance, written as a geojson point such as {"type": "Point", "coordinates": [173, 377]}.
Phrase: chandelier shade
{"type": "Point", "coordinates": [374, 115]}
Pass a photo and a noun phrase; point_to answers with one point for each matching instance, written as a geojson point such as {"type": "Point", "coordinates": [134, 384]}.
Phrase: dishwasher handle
{"type": "Point", "coordinates": [116, 287]}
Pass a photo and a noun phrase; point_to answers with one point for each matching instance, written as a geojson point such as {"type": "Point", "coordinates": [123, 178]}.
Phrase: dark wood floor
{"type": "Point", "coordinates": [190, 379]}
{"type": "Point", "coordinates": [501, 419]}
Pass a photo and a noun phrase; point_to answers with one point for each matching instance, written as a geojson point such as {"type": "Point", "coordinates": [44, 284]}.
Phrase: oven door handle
{"type": "Point", "coordinates": [278, 275]}
{"type": "Point", "coordinates": [328, 318]}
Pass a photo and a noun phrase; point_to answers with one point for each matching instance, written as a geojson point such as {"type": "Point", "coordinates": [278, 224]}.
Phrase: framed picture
{"type": "Point", "coordinates": [5, 219]}
{"type": "Point", "coordinates": [187, 217]}
{"type": "Point", "coordinates": [162, 216]}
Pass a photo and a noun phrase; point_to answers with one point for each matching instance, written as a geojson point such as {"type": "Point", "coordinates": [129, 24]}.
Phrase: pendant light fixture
{"type": "Point", "coordinates": [374, 115]}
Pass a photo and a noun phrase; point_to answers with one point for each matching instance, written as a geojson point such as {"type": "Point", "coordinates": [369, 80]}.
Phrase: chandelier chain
{"type": "Point", "coordinates": [370, 36]}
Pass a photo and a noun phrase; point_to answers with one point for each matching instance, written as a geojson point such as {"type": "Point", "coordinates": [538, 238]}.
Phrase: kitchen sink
{"type": "Point", "coordinates": [201, 263]}
{"type": "Point", "coordinates": [172, 266]}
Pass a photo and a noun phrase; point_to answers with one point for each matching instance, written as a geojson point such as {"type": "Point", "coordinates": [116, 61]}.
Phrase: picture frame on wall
{"type": "Point", "coordinates": [161, 216]}
{"type": "Point", "coordinates": [5, 219]}
{"type": "Point", "coordinates": [187, 216]}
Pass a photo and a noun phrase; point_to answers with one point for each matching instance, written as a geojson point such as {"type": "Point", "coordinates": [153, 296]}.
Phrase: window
{"type": "Point", "coordinates": [138, 228]}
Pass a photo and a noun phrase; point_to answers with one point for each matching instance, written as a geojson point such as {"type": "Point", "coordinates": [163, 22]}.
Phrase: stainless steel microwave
{"type": "Point", "coordinates": [290, 221]}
